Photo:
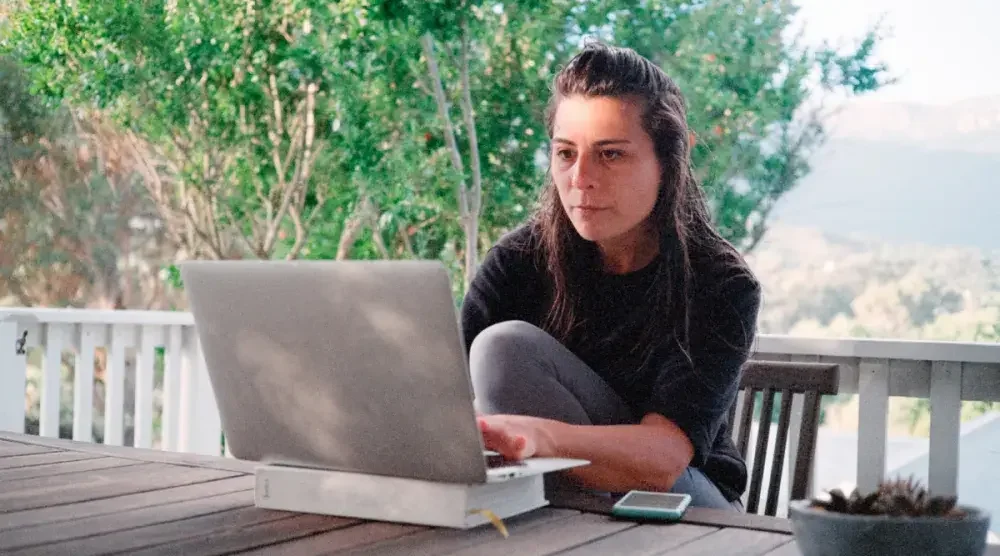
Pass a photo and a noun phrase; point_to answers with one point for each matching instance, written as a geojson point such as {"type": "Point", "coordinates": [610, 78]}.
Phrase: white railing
{"type": "Point", "coordinates": [945, 372]}
{"type": "Point", "coordinates": [128, 341]}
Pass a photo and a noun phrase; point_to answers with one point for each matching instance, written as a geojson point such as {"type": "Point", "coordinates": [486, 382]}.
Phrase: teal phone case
{"type": "Point", "coordinates": [647, 512]}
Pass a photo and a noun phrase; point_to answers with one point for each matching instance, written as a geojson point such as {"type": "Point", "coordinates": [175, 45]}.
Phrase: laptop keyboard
{"type": "Point", "coordinates": [496, 460]}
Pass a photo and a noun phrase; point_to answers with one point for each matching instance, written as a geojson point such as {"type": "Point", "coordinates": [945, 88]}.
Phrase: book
{"type": "Point", "coordinates": [400, 499]}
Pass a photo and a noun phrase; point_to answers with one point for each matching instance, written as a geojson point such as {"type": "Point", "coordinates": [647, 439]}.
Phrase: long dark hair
{"type": "Point", "coordinates": [680, 215]}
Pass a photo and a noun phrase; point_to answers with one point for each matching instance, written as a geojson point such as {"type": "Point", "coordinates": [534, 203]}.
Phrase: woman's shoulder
{"type": "Point", "coordinates": [525, 238]}
{"type": "Point", "coordinates": [724, 277]}
{"type": "Point", "coordinates": [520, 248]}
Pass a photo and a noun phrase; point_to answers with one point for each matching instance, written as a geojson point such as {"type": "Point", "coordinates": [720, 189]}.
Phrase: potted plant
{"type": "Point", "coordinates": [898, 518]}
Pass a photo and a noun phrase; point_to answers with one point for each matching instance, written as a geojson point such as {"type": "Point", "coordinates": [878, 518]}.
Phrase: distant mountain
{"type": "Point", "coordinates": [972, 125]}
{"type": "Point", "coordinates": [824, 284]}
{"type": "Point", "coordinates": [906, 172]}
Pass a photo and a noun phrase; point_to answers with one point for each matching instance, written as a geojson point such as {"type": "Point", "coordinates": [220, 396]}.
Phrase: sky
{"type": "Point", "coordinates": [942, 52]}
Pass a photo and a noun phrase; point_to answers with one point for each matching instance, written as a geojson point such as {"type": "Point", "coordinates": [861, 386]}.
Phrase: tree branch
{"type": "Point", "coordinates": [352, 227]}
{"type": "Point", "coordinates": [449, 133]}
{"type": "Point", "coordinates": [470, 128]}
{"type": "Point", "coordinates": [290, 190]}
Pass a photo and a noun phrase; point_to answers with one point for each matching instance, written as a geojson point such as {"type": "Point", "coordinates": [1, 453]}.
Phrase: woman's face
{"type": "Point", "coordinates": [604, 166]}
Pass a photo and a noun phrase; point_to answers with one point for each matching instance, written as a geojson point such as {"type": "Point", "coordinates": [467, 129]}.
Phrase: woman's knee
{"type": "Point", "coordinates": [506, 339]}
{"type": "Point", "coordinates": [505, 361]}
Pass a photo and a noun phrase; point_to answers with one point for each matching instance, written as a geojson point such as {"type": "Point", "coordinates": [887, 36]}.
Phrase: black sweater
{"type": "Point", "coordinates": [512, 285]}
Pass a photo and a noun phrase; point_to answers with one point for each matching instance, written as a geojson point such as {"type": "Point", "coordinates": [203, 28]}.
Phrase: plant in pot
{"type": "Point", "coordinates": [899, 518]}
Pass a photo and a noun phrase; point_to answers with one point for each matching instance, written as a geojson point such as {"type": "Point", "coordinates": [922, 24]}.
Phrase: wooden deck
{"type": "Point", "coordinates": [64, 497]}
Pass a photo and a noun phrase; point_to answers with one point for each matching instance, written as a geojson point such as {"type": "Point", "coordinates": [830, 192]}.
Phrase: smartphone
{"type": "Point", "coordinates": [651, 505]}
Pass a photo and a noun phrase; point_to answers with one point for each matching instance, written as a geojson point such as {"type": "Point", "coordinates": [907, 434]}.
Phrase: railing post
{"type": "Point", "coordinates": [151, 337]}
{"type": "Point", "coordinates": [873, 393]}
{"type": "Point", "coordinates": [172, 371]}
{"type": "Point", "coordinates": [946, 424]}
{"type": "Point", "coordinates": [51, 386]}
{"type": "Point", "coordinates": [91, 335]}
{"type": "Point", "coordinates": [13, 367]}
{"type": "Point", "coordinates": [200, 427]}
{"type": "Point", "coordinates": [114, 385]}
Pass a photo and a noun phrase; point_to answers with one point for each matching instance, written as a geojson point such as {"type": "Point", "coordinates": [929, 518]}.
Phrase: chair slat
{"type": "Point", "coordinates": [760, 453]}
{"type": "Point", "coordinates": [797, 376]}
{"type": "Point", "coordinates": [802, 385]}
{"type": "Point", "coordinates": [778, 461]}
{"type": "Point", "coordinates": [807, 446]}
{"type": "Point", "coordinates": [746, 419]}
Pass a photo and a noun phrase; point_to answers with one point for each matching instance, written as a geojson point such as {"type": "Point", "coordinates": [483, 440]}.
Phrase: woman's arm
{"type": "Point", "coordinates": [647, 456]}
{"type": "Point", "coordinates": [688, 404]}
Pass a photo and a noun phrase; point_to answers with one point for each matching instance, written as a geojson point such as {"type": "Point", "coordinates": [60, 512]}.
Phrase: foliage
{"type": "Point", "coordinates": [822, 286]}
{"type": "Point", "coordinates": [231, 93]}
{"type": "Point", "coordinates": [73, 215]}
{"type": "Point", "coordinates": [894, 498]}
{"type": "Point", "coordinates": [239, 97]}
{"type": "Point", "coordinates": [754, 99]}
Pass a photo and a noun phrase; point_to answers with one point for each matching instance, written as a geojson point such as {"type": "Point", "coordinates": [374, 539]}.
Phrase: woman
{"type": "Point", "coordinates": [613, 326]}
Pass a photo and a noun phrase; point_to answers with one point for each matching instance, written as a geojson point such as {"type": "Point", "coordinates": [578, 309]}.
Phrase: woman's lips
{"type": "Point", "coordinates": [590, 209]}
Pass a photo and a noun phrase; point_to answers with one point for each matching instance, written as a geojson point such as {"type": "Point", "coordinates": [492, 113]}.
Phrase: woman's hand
{"type": "Point", "coordinates": [647, 456]}
{"type": "Point", "coordinates": [516, 437]}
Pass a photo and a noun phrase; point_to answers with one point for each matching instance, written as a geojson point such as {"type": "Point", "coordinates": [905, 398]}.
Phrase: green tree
{"type": "Point", "coordinates": [477, 55]}
{"type": "Point", "coordinates": [397, 128]}
{"type": "Point", "coordinates": [241, 97]}
{"type": "Point", "coordinates": [70, 197]}
{"type": "Point", "coordinates": [755, 100]}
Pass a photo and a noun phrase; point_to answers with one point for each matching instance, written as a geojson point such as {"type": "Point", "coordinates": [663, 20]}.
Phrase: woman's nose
{"type": "Point", "coordinates": [583, 176]}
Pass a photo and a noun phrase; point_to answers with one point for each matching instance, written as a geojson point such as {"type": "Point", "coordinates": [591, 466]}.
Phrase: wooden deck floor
{"type": "Point", "coordinates": [61, 497]}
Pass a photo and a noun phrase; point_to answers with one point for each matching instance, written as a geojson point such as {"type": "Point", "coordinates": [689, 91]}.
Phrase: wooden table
{"type": "Point", "coordinates": [64, 497]}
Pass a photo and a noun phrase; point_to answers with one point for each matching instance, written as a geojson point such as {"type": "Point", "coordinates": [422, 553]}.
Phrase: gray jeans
{"type": "Point", "coordinates": [519, 369]}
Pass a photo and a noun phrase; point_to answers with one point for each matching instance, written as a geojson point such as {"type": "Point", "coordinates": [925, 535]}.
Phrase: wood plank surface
{"type": "Point", "coordinates": [142, 454]}
{"type": "Point", "coordinates": [8, 449]}
{"type": "Point", "coordinates": [339, 540]}
{"type": "Point", "coordinates": [644, 540]}
{"type": "Point", "coordinates": [44, 458]}
{"type": "Point", "coordinates": [64, 468]}
{"type": "Point", "coordinates": [259, 535]}
{"type": "Point", "coordinates": [790, 548]}
{"type": "Point", "coordinates": [61, 497]}
{"type": "Point", "coordinates": [744, 542]}
{"type": "Point", "coordinates": [132, 540]}
{"type": "Point", "coordinates": [446, 541]}
{"type": "Point", "coordinates": [103, 524]}
{"type": "Point", "coordinates": [117, 504]}
{"type": "Point", "coordinates": [696, 516]}
{"type": "Point", "coordinates": [41, 492]}
{"type": "Point", "coordinates": [559, 535]}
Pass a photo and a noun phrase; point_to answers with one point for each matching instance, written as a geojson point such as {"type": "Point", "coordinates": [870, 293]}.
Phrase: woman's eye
{"type": "Point", "coordinates": [564, 154]}
{"type": "Point", "coordinates": [611, 155]}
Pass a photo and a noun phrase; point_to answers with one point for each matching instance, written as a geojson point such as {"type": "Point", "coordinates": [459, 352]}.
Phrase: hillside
{"type": "Point", "coordinates": [906, 173]}
{"type": "Point", "coordinates": [821, 284]}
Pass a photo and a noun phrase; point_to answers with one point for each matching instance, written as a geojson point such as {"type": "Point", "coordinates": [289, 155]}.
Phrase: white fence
{"type": "Point", "coordinates": [131, 343]}
{"type": "Point", "coordinates": [947, 373]}
{"type": "Point", "coordinates": [128, 341]}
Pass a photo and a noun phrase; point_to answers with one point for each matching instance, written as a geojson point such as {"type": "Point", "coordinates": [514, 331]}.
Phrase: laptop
{"type": "Point", "coordinates": [353, 366]}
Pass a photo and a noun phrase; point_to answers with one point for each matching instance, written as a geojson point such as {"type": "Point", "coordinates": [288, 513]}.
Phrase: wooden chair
{"type": "Point", "coordinates": [812, 380]}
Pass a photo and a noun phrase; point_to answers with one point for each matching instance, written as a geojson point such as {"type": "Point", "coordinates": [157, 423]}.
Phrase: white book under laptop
{"type": "Point", "coordinates": [348, 381]}
{"type": "Point", "coordinates": [404, 500]}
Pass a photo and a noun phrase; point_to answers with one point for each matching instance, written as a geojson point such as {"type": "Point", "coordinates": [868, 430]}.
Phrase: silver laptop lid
{"type": "Point", "coordinates": [348, 365]}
